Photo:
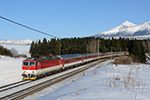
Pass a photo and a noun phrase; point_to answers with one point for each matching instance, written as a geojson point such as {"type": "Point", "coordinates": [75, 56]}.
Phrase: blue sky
{"type": "Point", "coordinates": [68, 18]}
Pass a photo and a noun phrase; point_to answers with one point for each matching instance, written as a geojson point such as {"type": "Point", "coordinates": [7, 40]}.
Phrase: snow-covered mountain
{"type": "Point", "coordinates": [23, 42]}
{"type": "Point", "coordinates": [128, 30]}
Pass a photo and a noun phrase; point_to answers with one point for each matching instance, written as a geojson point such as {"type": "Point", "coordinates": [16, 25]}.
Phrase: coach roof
{"type": "Point", "coordinates": [70, 56]}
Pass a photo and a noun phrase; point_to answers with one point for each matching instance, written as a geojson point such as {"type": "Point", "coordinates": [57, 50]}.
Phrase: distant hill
{"type": "Point", "coordinates": [128, 30]}
{"type": "Point", "coordinates": [22, 42]}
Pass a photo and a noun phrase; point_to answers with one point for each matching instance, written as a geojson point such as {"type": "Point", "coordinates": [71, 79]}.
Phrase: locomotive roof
{"type": "Point", "coordinates": [43, 58]}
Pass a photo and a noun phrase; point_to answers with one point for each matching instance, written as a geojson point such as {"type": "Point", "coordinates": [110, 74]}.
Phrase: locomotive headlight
{"type": "Point", "coordinates": [24, 72]}
{"type": "Point", "coordinates": [32, 71]}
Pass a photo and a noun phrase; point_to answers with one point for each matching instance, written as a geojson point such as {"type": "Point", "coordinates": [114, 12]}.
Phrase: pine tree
{"type": "Point", "coordinates": [136, 48]}
{"type": "Point", "coordinates": [142, 56]}
{"type": "Point", "coordinates": [58, 47]}
{"type": "Point", "coordinates": [43, 47]}
{"type": "Point", "coordinates": [31, 47]}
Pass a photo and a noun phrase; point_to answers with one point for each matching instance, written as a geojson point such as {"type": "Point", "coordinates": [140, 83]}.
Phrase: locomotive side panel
{"type": "Point", "coordinates": [49, 66]}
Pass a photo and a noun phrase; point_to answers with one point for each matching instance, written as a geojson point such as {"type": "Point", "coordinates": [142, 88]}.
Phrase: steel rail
{"type": "Point", "coordinates": [13, 85]}
{"type": "Point", "coordinates": [10, 84]}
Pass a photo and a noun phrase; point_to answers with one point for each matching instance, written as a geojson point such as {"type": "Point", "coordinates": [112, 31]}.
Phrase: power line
{"type": "Point", "coordinates": [28, 27]}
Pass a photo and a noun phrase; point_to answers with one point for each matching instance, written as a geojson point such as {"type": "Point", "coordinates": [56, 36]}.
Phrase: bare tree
{"type": "Point", "coordinates": [145, 46]}
{"type": "Point", "coordinates": [92, 46]}
{"type": "Point", "coordinates": [14, 52]}
{"type": "Point", "coordinates": [148, 45]}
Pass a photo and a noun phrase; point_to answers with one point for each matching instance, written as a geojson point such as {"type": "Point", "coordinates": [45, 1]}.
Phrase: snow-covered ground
{"type": "Point", "coordinates": [11, 68]}
{"type": "Point", "coordinates": [108, 82]}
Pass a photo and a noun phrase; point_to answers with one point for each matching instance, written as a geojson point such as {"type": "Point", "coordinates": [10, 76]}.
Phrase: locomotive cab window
{"type": "Point", "coordinates": [25, 63]}
{"type": "Point", "coordinates": [32, 63]}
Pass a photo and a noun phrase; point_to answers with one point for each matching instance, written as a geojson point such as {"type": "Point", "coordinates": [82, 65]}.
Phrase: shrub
{"type": "Point", "coordinates": [123, 60]}
{"type": "Point", "coordinates": [23, 55]}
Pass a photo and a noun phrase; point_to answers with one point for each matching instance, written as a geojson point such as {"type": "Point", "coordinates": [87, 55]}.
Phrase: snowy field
{"type": "Point", "coordinates": [108, 82]}
{"type": "Point", "coordinates": [11, 68]}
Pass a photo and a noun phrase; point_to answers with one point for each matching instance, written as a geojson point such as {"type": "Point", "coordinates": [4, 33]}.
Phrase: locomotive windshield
{"type": "Point", "coordinates": [28, 63]}
{"type": "Point", "coordinates": [25, 63]}
{"type": "Point", "coordinates": [32, 63]}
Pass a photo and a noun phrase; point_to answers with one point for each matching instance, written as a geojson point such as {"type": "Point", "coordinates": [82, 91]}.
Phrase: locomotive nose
{"type": "Point", "coordinates": [28, 75]}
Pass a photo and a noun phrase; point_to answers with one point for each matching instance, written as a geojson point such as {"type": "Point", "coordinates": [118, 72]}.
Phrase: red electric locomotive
{"type": "Point", "coordinates": [32, 68]}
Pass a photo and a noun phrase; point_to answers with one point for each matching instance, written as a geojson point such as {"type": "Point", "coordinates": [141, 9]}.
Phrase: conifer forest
{"type": "Point", "coordinates": [136, 48]}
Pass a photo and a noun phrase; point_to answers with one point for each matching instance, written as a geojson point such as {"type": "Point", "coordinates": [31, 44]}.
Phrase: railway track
{"type": "Point", "coordinates": [22, 93]}
{"type": "Point", "coordinates": [13, 85]}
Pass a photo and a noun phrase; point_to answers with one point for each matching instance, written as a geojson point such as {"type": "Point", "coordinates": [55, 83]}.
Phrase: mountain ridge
{"type": "Point", "coordinates": [127, 30]}
{"type": "Point", "coordinates": [22, 42]}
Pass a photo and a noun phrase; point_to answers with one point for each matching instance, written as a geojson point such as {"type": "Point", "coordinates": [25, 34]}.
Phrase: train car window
{"type": "Point", "coordinates": [25, 63]}
{"type": "Point", "coordinates": [45, 62]}
{"type": "Point", "coordinates": [32, 63]}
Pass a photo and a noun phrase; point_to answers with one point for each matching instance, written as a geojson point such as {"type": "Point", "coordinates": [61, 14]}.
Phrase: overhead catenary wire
{"type": "Point", "coordinates": [32, 29]}
{"type": "Point", "coordinates": [28, 27]}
